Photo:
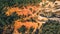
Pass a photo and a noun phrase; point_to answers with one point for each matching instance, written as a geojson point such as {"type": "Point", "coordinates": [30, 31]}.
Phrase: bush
{"type": "Point", "coordinates": [19, 2]}
{"type": "Point", "coordinates": [22, 29]}
{"type": "Point", "coordinates": [51, 27]}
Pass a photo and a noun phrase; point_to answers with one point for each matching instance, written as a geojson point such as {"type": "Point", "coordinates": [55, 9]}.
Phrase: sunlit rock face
{"type": "Point", "coordinates": [50, 8]}
{"type": "Point", "coordinates": [25, 24]}
{"type": "Point", "coordinates": [32, 10]}
{"type": "Point", "coordinates": [58, 2]}
{"type": "Point", "coordinates": [56, 9]}
{"type": "Point", "coordinates": [57, 6]}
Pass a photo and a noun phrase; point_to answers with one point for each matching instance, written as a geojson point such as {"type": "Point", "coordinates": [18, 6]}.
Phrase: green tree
{"type": "Point", "coordinates": [51, 27]}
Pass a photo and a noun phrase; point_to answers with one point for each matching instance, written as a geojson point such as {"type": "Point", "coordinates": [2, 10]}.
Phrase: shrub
{"type": "Point", "coordinates": [51, 27]}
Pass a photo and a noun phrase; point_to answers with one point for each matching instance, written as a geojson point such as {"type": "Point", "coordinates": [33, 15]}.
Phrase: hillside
{"type": "Point", "coordinates": [29, 17]}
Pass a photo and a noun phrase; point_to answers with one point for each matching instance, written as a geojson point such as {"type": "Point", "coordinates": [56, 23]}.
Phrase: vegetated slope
{"type": "Point", "coordinates": [12, 10]}
{"type": "Point", "coordinates": [9, 6]}
{"type": "Point", "coordinates": [51, 27]}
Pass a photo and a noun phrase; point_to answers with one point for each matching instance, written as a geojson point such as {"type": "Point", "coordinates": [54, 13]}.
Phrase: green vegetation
{"type": "Point", "coordinates": [8, 20]}
{"type": "Point", "coordinates": [4, 3]}
{"type": "Point", "coordinates": [4, 19]}
{"type": "Point", "coordinates": [51, 27]}
{"type": "Point", "coordinates": [22, 29]}
{"type": "Point", "coordinates": [31, 30]}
